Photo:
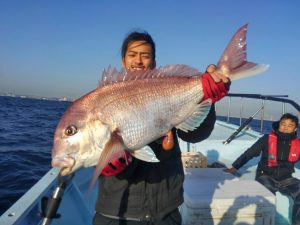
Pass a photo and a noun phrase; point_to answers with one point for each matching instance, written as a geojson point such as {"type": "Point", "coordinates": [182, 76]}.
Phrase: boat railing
{"type": "Point", "coordinates": [229, 111]}
{"type": "Point", "coordinates": [260, 107]}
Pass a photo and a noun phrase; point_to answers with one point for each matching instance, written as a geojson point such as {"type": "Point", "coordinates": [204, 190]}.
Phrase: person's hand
{"type": "Point", "coordinates": [116, 166]}
{"type": "Point", "coordinates": [230, 170]}
{"type": "Point", "coordinates": [217, 77]}
{"type": "Point", "coordinates": [215, 85]}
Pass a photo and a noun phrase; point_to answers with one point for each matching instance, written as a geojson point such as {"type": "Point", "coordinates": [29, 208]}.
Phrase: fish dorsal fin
{"type": "Point", "coordinates": [197, 117]}
{"type": "Point", "coordinates": [112, 75]}
{"type": "Point", "coordinates": [145, 154]}
{"type": "Point", "coordinates": [178, 70]}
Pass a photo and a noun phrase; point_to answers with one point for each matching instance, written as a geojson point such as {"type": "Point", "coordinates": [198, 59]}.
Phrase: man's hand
{"type": "Point", "coordinates": [215, 85]}
{"type": "Point", "coordinates": [230, 170]}
{"type": "Point", "coordinates": [218, 77]}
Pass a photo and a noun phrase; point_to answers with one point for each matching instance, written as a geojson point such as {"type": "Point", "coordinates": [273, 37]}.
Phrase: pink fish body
{"type": "Point", "coordinates": [129, 110]}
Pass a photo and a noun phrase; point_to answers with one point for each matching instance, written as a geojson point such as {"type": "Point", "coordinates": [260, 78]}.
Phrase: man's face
{"type": "Point", "coordinates": [138, 56]}
{"type": "Point", "coordinates": [287, 126]}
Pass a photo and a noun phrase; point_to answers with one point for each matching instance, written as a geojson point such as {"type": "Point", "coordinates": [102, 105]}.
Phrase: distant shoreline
{"type": "Point", "coordinates": [61, 99]}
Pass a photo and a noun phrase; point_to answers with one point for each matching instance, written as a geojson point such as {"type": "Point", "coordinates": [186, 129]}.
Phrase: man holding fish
{"type": "Point", "coordinates": [128, 128]}
{"type": "Point", "coordinates": [144, 192]}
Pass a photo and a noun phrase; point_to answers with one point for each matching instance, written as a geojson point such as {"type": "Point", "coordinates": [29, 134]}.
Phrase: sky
{"type": "Point", "coordinates": [60, 48]}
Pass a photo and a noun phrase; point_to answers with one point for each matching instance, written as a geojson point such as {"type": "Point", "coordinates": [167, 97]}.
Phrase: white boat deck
{"type": "Point", "coordinates": [212, 196]}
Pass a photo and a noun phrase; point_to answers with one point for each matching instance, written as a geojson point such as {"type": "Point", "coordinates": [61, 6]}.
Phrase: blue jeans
{"type": "Point", "coordinates": [289, 187]}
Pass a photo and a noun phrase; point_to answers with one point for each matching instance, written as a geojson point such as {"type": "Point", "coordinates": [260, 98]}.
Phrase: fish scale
{"type": "Point", "coordinates": [144, 118]}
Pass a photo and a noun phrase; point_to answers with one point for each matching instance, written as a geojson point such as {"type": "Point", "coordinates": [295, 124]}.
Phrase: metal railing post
{"type": "Point", "coordinates": [228, 109]}
{"type": "Point", "coordinates": [283, 108]}
{"type": "Point", "coordinates": [241, 111]}
{"type": "Point", "coordinates": [262, 116]}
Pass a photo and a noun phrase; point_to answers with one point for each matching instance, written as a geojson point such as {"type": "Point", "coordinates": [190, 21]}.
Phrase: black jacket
{"type": "Point", "coordinates": [284, 169]}
{"type": "Point", "coordinates": [149, 191]}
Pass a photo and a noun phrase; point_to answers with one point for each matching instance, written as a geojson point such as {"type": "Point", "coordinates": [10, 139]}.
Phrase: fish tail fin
{"type": "Point", "coordinates": [233, 62]}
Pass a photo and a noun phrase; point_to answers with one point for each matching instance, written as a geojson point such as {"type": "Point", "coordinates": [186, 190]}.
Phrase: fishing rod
{"type": "Point", "coordinates": [51, 205]}
{"type": "Point", "coordinates": [242, 127]}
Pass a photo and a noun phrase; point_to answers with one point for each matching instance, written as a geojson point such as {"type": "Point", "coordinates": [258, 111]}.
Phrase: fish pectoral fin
{"type": "Point", "coordinates": [197, 117]}
{"type": "Point", "coordinates": [113, 149]}
{"type": "Point", "coordinates": [145, 154]}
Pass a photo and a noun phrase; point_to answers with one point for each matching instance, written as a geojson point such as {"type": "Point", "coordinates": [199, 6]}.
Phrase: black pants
{"type": "Point", "coordinates": [289, 187]}
{"type": "Point", "coordinates": [173, 218]}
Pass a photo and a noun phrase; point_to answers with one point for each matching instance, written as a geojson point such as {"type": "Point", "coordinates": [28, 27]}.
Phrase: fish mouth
{"type": "Point", "coordinates": [65, 163]}
{"type": "Point", "coordinates": [65, 171]}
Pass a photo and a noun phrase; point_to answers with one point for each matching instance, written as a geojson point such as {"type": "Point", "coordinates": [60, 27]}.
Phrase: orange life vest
{"type": "Point", "coordinates": [272, 151]}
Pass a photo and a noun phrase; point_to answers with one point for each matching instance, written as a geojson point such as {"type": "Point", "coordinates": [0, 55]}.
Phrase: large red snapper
{"type": "Point", "coordinates": [131, 109]}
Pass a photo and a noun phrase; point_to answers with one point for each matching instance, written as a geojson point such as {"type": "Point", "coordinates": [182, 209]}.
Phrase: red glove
{"type": "Point", "coordinates": [211, 89]}
{"type": "Point", "coordinates": [116, 166]}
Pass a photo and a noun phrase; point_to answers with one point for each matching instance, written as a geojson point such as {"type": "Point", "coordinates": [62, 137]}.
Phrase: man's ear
{"type": "Point", "coordinates": [153, 65]}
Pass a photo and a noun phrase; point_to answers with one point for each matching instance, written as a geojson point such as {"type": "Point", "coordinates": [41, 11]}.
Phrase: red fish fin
{"type": "Point", "coordinates": [233, 61]}
{"type": "Point", "coordinates": [113, 149]}
{"type": "Point", "coordinates": [112, 75]}
{"type": "Point", "coordinates": [145, 154]}
{"type": "Point", "coordinates": [200, 112]}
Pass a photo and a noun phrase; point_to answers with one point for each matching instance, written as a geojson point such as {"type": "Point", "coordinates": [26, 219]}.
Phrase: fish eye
{"type": "Point", "coordinates": [71, 130]}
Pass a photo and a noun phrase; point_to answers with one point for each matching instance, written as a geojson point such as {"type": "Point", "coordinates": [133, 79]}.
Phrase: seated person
{"type": "Point", "coordinates": [279, 152]}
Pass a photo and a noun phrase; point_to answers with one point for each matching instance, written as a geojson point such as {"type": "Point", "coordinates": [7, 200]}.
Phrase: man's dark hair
{"type": "Point", "coordinates": [138, 36]}
{"type": "Point", "coordinates": [290, 117]}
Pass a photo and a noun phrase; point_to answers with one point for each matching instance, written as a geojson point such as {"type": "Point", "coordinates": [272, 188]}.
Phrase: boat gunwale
{"type": "Point", "coordinates": [29, 200]}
